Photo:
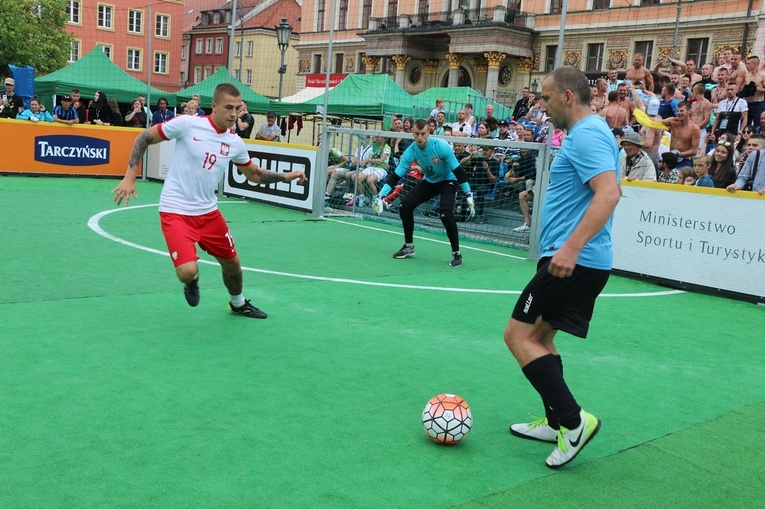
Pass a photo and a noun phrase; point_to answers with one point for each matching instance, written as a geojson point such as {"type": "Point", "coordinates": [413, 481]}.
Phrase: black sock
{"type": "Point", "coordinates": [552, 419]}
{"type": "Point", "coordinates": [546, 376]}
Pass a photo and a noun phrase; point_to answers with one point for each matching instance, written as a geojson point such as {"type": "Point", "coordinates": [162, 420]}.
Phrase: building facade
{"type": "Point", "coordinates": [143, 40]}
{"type": "Point", "coordinates": [256, 57]}
{"type": "Point", "coordinates": [500, 46]}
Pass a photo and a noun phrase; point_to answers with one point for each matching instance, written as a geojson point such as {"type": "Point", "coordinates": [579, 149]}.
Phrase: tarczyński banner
{"type": "Point", "coordinates": [692, 236]}
{"type": "Point", "coordinates": [58, 149]}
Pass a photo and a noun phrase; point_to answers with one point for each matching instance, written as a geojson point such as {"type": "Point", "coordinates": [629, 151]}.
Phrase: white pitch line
{"type": "Point", "coordinates": [93, 224]}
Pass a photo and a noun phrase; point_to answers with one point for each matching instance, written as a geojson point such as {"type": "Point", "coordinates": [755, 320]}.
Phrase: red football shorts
{"type": "Point", "coordinates": [210, 231]}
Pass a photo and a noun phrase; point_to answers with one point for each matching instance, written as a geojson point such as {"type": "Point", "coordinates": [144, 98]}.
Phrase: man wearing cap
{"type": "Point", "coordinates": [651, 136]}
{"type": "Point", "coordinates": [269, 131]}
{"type": "Point", "coordinates": [65, 113]}
{"type": "Point", "coordinates": [635, 164]}
{"type": "Point", "coordinates": [668, 168]}
{"type": "Point", "coordinates": [11, 104]}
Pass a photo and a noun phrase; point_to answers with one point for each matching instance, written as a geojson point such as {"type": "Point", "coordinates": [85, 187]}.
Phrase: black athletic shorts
{"type": "Point", "coordinates": [565, 303]}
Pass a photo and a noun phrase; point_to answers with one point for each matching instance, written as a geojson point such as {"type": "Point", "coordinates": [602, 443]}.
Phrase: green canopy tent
{"type": "Point", "coordinates": [456, 97]}
{"type": "Point", "coordinates": [359, 95]}
{"type": "Point", "coordinates": [94, 72]}
{"type": "Point", "coordinates": [256, 103]}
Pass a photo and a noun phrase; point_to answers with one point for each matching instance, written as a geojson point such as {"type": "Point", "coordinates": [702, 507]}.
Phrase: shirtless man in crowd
{"type": "Point", "coordinates": [737, 70]}
{"type": "Point", "coordinates": [755, 81]}
{"type": "Point", "coordinates": [719, 93]}
{"type": "Point", "coordinates": [615, 115]}
{"type": "Point", "coordinates": [685, 135]}
{"type": "Point", "coordinates": [639, 72]}
{"type": "Point", "coordinates": [701, 112]}
{"type": "Point", "coordinates": [626, 103]}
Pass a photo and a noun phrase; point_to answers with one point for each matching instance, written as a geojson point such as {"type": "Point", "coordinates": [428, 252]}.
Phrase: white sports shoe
{"type": "Point", "coordinates": [522, 228]}
{"type": "Point", "coordinates": [570, 442]}
{"type": "Point", "coordinates": [536, 430]}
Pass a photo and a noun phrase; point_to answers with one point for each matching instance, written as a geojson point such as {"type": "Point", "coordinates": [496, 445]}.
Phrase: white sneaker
{"type": "Point", "coordinates": [536, 430]}
{"type": "Point", "coordinates": [570, 442]}
{"type": "Point", "coordinates": [522, 228]}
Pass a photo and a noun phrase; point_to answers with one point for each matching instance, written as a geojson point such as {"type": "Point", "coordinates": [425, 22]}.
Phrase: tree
{"type": "Point", "coordinates": [34, 33]}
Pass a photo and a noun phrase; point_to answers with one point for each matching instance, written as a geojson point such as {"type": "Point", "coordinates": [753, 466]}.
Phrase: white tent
{"type": "Point", "coordinates": [306, 94]}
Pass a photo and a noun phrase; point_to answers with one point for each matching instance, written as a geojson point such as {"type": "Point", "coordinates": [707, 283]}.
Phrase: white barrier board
{"type": "Point", "coordinates": [701, 236]}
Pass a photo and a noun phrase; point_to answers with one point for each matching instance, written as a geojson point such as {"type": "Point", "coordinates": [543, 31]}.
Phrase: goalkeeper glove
{"type": "Point", "coordinates": [377, 204]}
{"type": "Point", "coordinates": [471, 203]}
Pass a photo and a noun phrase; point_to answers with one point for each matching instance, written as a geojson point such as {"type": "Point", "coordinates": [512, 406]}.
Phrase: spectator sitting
{"type": "Point", "coordinates": [162, 114]}
{"type": "Point", "coordinates": [77, 104]}
{"type": "Point", "coordinates": [461, 127]}
{"type": "Point", "coordinates": [722, 170]}
{"type": "Point", "coordinates": [440, 119]}
{"type": "Point", "coordinates": [635, 164]}
{"type": "Point", "coordinates": [336, 161]}
{"type": "Point", "coordinates": [342, 174]}
{"type": "Point", "coordinates": [483, 131]}
{"type": "Point", "coordinates": [409, 180]}
{"type": "Point", "coordinates": [269, 131]}
{"type": "Point", "coordinates": [668, 172]}
{"type": "Point", "coordinates": [65, 112]}
{"type": "Point", "coordinates": [493, 125]}
{"type": "Point", "coordinates": [524, 200]}
{"type": "Point", "coordinates": [752, 175]}
{"type": "Point", "coordinates": [701, 166]}
{"type": "Point", "coordinates": [522, 170]}
{"type": "Point", "coordinates": [99, 111]}
{"type": "Point", "coordinates": [431, 126]}
{"type": "Point", "coordinates": [438, 109]}
{"type": "Point", "coordinates": [244, 122]}
{"type": "Point", "coordinates": [36, 112]}
{"type": "Point", "coordinates": [376, 167]}
{"type": "Point", "coordinates": [756, 142]}
{"type": "Point", "coordinates": [136, 117]}
{"type": "Point", "coordinates": [557, 137]}
{"type": "Point", "coordinates": [116, 115]}
{"type": "Point", "coordinates": [471, 120]}
{"type": "Point", "coordinates": [685, 176]}
{"type": "Point", "coordinates": [191, 108]}
{"type": "Point", "coordinates": [11, 103]}
{"type": "Point", "coordinates": [482, 169]}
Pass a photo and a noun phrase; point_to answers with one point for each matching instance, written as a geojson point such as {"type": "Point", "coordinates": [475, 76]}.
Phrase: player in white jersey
{"type": "Point", "coordinates": [187, 206]}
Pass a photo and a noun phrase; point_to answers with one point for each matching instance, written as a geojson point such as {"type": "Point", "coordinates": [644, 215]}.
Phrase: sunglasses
{"type": "Point", "coordinates": [724, 144]}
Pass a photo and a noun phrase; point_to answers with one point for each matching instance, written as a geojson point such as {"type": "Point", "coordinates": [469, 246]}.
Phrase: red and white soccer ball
{"type": "Point", "coordinates": [447, 418]}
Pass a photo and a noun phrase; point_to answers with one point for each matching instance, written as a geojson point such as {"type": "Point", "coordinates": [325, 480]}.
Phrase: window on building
{"type": "Point", "coordinates": [250, 48]}
{"type": "Point", "coordinates": [107, 49]}
{"type": "Point", "coordinates": [135, 21]}
{"type": "Point", "coordinates": [133, 59]}
{"type": "Point", "coordinates": [208, 71]}
{"type": "Point", "coordinates": [342, 15]}
{"type": "Point", "coordinates": [601, 4]}
{"type": "Point", "coordinates": [183, 78]}
{"type": "Point", "coordinates": [73, 11]}
{"type": "Point", "coordinates": [238, 49]}
{"type": "Point", "coordinates": [208, 46]}
{"type": "Point", "coordinates": [197, 74]}
{"type": "Point", "coordinates": [248, 76]}
{"type": "Point", "coordinates": [555, 6]}
{"type": "Point", "coordinates": [160, 63]}
{"type": "Point", "coordinates": [366, 13]}
{"type": "Point", "coordinates": [74, 51]}
{"type": "Point", "coordinates": [393, 11]}
{"type": "Point", "coordinates": [216, 18]}
{"type": "Point", "coordinates": [184, 52]}
{"type": "Point", "coordinates": [162, 26]}
{"type": "Point", "coordinates": [594, 57]}
{"type": "Point", "coordinates": [317, 63]}
{"type": "Point", "coordinates": [238, 74]}
{"type": "Point", "coordinates": [422, 11]}
{"type": "Point", "coordinates": [339, 58]}
{"type": "Point", "coordinates": [362, 63]}
{"type": "Point", "coordinates": [200, 44]}
{"type": "Point", "coordinates": [105, 16]}
{"type": "Point", "coordinates": [550, 58]}
{"type": "Point", "coordinates": [646, 49]}
{"type": "Point", "coordinates": [321, 8]}
{"type": "Point", "coordinates": [650, 2]}
{"type": "Point", "coordinates": [697, 51]}
{"type": "Point", "coordinates": [218, 45]}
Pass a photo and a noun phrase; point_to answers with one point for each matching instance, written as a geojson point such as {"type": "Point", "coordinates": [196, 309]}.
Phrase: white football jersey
{"type": "Point", "coordinates": [201, 158]}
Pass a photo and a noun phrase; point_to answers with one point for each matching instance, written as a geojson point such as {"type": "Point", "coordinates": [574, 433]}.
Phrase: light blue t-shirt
{"type": "Point", "coordinates": [588, 150]}
{"type": "Point", "coordinates": [437, 161]}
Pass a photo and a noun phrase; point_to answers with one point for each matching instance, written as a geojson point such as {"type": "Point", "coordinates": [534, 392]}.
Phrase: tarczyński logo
{"type": "Point", "coordinates": [65, 149]}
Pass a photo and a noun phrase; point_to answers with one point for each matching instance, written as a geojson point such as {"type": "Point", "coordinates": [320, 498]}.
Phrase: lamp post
{"type": "Point", "coordinates": [283, 34]}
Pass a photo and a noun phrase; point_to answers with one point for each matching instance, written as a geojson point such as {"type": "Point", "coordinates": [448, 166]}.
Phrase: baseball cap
{"type": "Point", "coordinates": [632, 137]}
{"type": "Point", "coordinates": [66, 97]}
{"type": "Point", "coordinates": [270, 114]}
{"type": "Point", "coordinates": [652, 108]}
{"type": "Point", "coordinates": [504, 122]}
{"type": "Point", "coordinates": [9, 81]}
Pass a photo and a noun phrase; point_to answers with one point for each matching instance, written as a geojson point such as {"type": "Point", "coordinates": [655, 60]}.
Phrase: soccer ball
{"type": "Point", "coordinates": [447, 418]}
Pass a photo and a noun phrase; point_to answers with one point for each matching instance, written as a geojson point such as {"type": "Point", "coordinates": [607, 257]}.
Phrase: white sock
{"type": "Point", "coordinates": [409, 244]}
{"type": "Point", "coordinates": [237, 300]}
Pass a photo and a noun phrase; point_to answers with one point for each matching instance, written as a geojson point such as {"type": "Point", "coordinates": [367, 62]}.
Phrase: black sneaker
{"type": "Point", "coordinates": [404, 252]}
{"type": "Point", "coordinates": [456, 260]}
{"type": "Point", "coordinates": [247, 310]}
{"type": "Point", "coordinates": [191, 292]}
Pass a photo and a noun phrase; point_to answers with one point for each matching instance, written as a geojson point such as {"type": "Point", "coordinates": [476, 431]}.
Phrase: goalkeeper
{"type": "Point", "coordinates": [441, 174]}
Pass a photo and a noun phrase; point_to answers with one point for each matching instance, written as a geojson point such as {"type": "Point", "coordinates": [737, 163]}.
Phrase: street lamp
{"type": "Point", "coordinates": [283, 34]}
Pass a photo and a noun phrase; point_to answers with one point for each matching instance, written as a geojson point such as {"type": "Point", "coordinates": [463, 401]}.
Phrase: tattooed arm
{"type": "Point", "coordinates": [259, 175]}
{"type": "Point", "coordinates": [126, 189]}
